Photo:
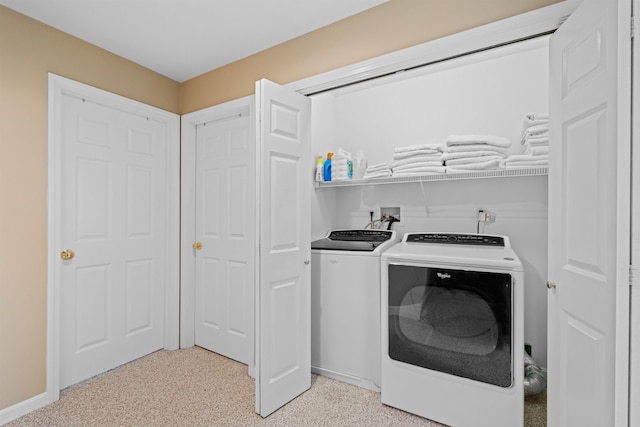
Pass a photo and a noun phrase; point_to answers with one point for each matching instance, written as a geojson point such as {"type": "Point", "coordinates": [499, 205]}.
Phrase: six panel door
{"type": "Point", "coordinates": [113, 202]}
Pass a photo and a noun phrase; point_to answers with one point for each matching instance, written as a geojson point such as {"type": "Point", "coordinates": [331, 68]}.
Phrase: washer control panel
{"type": "Point", "coordinates": [361, 235]}
{"type": "Point", "coordinates": [455, 239]}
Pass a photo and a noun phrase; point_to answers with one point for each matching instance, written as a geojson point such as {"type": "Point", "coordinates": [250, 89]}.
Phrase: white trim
{"type": "Point", "coordinates": [526, 25]}
{"type": "Point", "coordinates": [23, 408]}
{"type": "Point", "coordinates": [634, 332]}
{"type": "Point", "coordinates": [59, 86]}
{"type": "Point", "coordinates": [623, 224]}
{"type": "Point", "coordinates": [190, 123]}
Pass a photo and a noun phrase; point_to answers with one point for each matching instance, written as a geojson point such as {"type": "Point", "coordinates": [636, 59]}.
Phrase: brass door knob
{"type": "Point", "coordinates": [197, 246]}
{"type": "Point", "coordinates": [551, 285]}
{"type": "Point", "coordinates": [67, 254]}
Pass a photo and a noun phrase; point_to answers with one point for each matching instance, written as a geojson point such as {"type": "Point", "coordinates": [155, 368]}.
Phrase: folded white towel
{"type": "Point", "coordinates": [420, 171]}
{"type": "Point", "coordinates": [475, 147]}
{"type": "Point", "coordinates": [491, 164]}
{"type": "Point", "coordinates": [540, 143]}
{"type": "Point", "coordinates": [526, 158]}
{"type": "Point", "coordinates": [470, 160]}
{"type": "Point", "coordinates": [537, 138]}
{"type": "Point", "coordinates": [526, 162]}
{"type": "Point", "coordinates": [418, 159]}
{"type": "Point", "coordinates": [538, 131]}
{"type": "Point", "coordinates": [379, 174]}
{"type": "Point", "coordinates": [538, 151]}
{"type": "Point", "coordinates": [498, 141]}
{"type": "Point", "coordinates": [377, 167]}
{"type": "Point", "coordinates": [417, 173]}
{"type": "Point", "coordinates": [433, 147]}
{"type": "Point", "coordinates": [531, 164]}
{"type": "Point", "coordinates": [407, 154]}
{"type": "Point", "coordinates": [470, 154]}
{"type": "Point", "coordinates": [417, 165]}
{"type": "Point", "coordinates": [534, 119]}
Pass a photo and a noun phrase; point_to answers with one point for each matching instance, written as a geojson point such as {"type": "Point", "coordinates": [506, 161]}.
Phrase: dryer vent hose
{"type": "Point", "coordinates": [535, 377]}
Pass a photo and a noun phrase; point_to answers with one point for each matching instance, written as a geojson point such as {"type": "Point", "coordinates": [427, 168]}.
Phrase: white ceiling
{"type": "Point", "coordinates": [182, 39]}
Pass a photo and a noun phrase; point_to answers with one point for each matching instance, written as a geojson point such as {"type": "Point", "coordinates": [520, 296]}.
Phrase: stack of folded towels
{"type": "Point", "coordinates": [422, 159]}
{"type": "Point", "coordinates": [535, 143]}
{"type": "Point", "coordinates": [379, 170]}
{"type": "Point", "coordinates": [465, 153]}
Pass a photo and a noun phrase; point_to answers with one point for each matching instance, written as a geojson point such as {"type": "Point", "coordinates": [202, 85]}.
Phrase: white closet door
{"type": "Point", "coordinates": [113, 200]}
{"type": "Point", "coordinates": [589, 191]}
{"type": "Point", "coordinates": [283, 327]}
{"type": "Point", "coordinates": [225, 229]}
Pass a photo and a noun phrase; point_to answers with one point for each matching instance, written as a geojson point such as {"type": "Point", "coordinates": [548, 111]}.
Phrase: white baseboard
{"type": "Point", "coordinates": [23, 408]}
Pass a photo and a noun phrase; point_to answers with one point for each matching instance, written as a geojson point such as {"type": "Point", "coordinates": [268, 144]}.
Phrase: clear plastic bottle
{"type": "Point", "coordinates": [359, 165]}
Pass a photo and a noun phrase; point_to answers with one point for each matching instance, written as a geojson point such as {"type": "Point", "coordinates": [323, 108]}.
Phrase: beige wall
{"type": "Point", "coordinates": [29, 50]}
{"type": "Point", "coordinates": [391, 26]}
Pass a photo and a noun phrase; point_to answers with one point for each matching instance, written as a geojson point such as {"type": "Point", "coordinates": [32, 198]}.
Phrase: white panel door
{"type": "Point", "coordinates": [225, 228]}
{"type": "Point", "coordinates": [589, 189]}
{"type": "Point", "coordinates": [113, 217]}
{"type": "Point", "coordinates": [283, 327]}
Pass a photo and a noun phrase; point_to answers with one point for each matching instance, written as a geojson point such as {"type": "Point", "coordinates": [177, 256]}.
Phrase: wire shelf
{"type": "Point", "coordinates": [497, 173]}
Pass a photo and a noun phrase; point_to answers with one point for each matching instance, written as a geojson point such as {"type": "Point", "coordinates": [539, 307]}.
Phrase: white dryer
{"type": "Point", "coordinates": [452, 329]}
{"type": "Point", "coordinates": [345, 305]}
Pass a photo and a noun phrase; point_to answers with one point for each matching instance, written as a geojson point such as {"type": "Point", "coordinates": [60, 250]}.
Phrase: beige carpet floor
{"type": "Point", "coordinates": [196, 387]}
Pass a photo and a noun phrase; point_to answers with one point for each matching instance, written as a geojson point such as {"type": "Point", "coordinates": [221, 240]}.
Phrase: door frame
{"type": "Point", "coordinates": [517, 28]}
{"type": "Point", "coordinates": [58, 87]}
{"type": "Point", "coordinates": [189, 126]}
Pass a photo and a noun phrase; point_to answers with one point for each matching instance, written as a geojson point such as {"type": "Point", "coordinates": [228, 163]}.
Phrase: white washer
{"type": "Point", "coordinates": [452, 329]}
{"type": "Point", "coordinates": [345, 305]}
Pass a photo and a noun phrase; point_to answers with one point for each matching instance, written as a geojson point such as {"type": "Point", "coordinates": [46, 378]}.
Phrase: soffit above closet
{"type": "Point", "coordinates": [183, 39]}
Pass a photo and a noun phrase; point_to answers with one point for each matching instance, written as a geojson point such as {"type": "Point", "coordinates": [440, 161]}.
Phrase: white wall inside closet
{"type": "Point", "coordinates": [487, 92]}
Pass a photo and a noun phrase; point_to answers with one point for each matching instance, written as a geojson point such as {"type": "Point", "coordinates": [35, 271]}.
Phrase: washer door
{"type": "Point", "coordinates": [452, 321]}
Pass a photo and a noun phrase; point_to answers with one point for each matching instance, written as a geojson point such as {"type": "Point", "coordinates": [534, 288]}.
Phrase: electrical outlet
{"type": "Point", "coordinates": [385, 213]}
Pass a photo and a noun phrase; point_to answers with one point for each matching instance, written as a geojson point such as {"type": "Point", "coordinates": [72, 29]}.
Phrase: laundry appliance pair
{"type": "Point", "coordinates": [435, 322]}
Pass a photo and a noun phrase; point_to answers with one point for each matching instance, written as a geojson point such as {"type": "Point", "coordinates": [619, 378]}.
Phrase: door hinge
{"type": "Point", "coordinates": [633, 275]}
{"type": "Point", "coordinates": [633, 27]}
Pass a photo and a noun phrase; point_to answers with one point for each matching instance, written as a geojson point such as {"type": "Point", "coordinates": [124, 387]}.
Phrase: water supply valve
{"type": "Point", "coordinates": [486, 216]}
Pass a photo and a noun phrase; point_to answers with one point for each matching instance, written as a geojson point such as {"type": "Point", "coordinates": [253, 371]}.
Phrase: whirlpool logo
{"type": "Point", "coordinates": [443, 275]}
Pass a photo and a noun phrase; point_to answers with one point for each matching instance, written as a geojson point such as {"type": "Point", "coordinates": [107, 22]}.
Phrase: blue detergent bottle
{"type": "Point", "coordinates": [327, 168]}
